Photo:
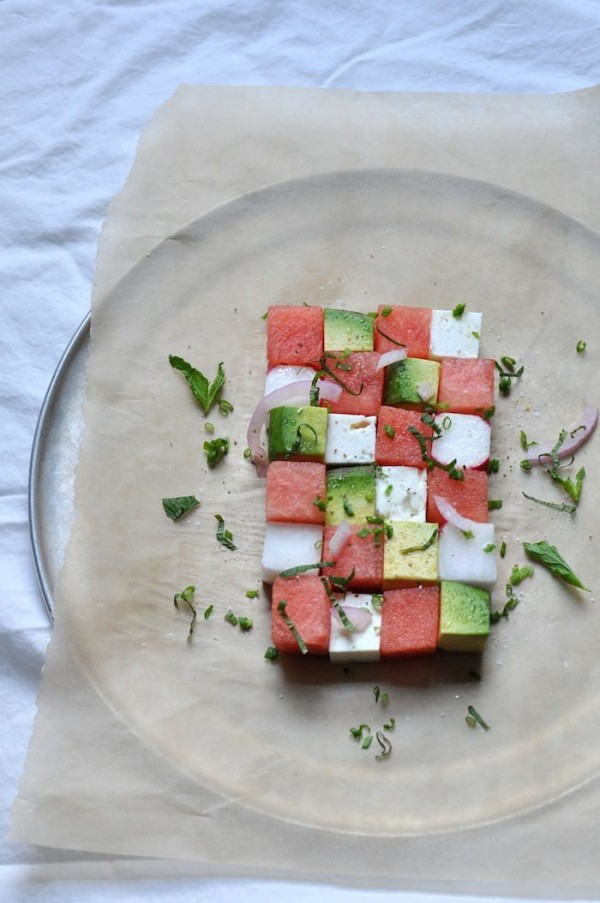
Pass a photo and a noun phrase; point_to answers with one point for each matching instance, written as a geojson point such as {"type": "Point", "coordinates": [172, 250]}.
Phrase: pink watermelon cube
{"type": "Point", "coordinates": [362, 553]}
{"type": "Point", "coordinates": [296, 492]}
{"type": "Point", "coordinates": [395, 444]}
{"type": "Point", "coordinates": [408, 326]}
{"type": "Point", "coordinates": [410, 621]}
{"type": "Point", "coordinates": [466, 385]}
{"type": "Point", "coordinates": [362, 383]}
{"type": "Point", "coordinates": [469, 496]}
{"type": "Point", "coordinates": [294, 335]}
{"type": "Point", "coordinates": [308, 607]}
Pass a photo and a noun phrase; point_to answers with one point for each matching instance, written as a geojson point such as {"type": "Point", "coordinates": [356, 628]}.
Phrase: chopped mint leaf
{"type": "Point", "coordinates": [458, 311]}
{"type": "Point", "coordinates": [179, 505]}
{"type": "Point", "coordinates": [215, 450]}
{"type": "Point", "coordinates": [204, 392]}
{"type": "Point", "coordinates": [551, 558]}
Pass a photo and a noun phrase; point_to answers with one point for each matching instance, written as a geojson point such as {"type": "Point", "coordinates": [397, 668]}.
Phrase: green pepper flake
{"type": "Point", "coordinates": [581, 346]}
{"type": "Point", "coordinates": [458, 311]}
{"type": "Point", "coordinates": [271, 654]}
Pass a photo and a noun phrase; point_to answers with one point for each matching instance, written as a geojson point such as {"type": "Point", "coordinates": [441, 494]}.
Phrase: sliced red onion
{"type": "Point", "coordinates": [425, 391]}
{"type": "Point", "coordinates": [297, 392]}
{"type": "Point", "coordinates": [340, 538]}
{"type": "Point", "coordinates": [580, 434]}
{"type": "Point", "coordinates": [391, 357]}
{"type": "Point", "coordinates": [360, 618]}
{"type": "Point", "coordinates": [451, 515]}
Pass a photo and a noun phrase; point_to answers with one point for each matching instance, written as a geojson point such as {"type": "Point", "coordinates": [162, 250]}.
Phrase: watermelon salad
{"type": "Point", "coordinates": [374, 439]}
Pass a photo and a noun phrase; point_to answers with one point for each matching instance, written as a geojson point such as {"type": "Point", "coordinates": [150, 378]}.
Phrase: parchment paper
{"type": "Point", "coordinates": [146, 745]}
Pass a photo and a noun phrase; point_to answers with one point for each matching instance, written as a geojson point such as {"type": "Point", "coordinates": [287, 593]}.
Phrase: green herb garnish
{"type": "Point", "coordinates": [493, 465]}
{"type": "Point", "coordinates": [381, 696]}
{"type": "Point", "coordinates": [245, 623]}
{"type": "Point", "coordinates": [581, 346]}
{"type": "Point", "coordinates": [389, 431]}
{"type": "Point", "coordinates": [390, 725]}
{"type": "Point", "coordinates": [251, 594]}
{"type": "Point", "coordinates": [301, 568]}
{"type": "Point", "coordinates": [348, 509]}
{"type": "Point", "coordinates": [208, 611]}
{"type": "Point", "coordinates": [292, 627]}
{"type": "Point", "coordinates": [187, 596]}
{"type": "Point", "coordinates": [204, 392]}
{"type": "Point", "coordinates": [224, 537]}
{"type": "Point", "coordinates": [551, 558]}
{"type": "Point", "coordinates": [248, 454]}
{"type": "Point", "coordinates": [225, 407]}
{"type": "Point", "coordinates": [386, 311]}
{"type": "Point", "coordinates": [474, 718]}
{"type": "Point", "coordinates": [385, 744]}
{"type": "Point", "coordinates": [518, 574]}
{"type": "Point", "coordinates": [503, 549]}
{"type": "Point", "coordinates": [357, 732]}
{"type": "Point", "coordinates": [525, 443]}
{"type": "Point", "coordinates": [180, 505]}
{"type": "Point", "coordinates": [489, 547]}
{"type": "Point", "coordinates": [458, 311]}
{"type": "Point", "coordinates": [510, 604]}
{"type": "Point", "coordinates": [231, 619]}
{"type": "Point", "coordinates": [556, 506]}
{"type": "Point", "coordinates": [271, 654]}
{"type": "Point", "coordinates": [209, 427]}
{"type": "Point", "coordinates": [215, 450]}
{"type": "Point", "coordinates": [494, 504]}
{"type": "Point", "coordinates": [423, 548]}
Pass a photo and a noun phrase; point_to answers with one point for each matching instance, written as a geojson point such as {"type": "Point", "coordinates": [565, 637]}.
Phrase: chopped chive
{"type": "Point", "coordinates": [489, 547]}
{"type": "Point", "coordinates": [493, 465]}
{"type": "Point", "coordinates": [245, 623]}
{"type": "Point", "coordinates": [348, 509]}
{"type": "Point", "coordinates": [208, 611]}
{"type": "Point", "coordinates": [475, 335]}
{"type": "Point", "coordinates": [389, 431]}
{"type": "Point", "coordinates": [494, 504]}
{"type": "Point", "coordinates": [386, 311]}
{"type": "Point", "coordinates": [225, 407]}
{"type": "Point", "coordinates": [556, 506]}
{"type": "Point", "coordinates": [231, 618]}
{"type": "Point", "coordinates": [503, 549]}
{"type": "Point", "coordinates": [381, 696]}
{"type": "Point", "coordinates": [251, 594]}
{"type": "Point", "coordinates": [209, 427]}
{"type": "Point", "coordinates": [271, 654]}
{"type": "Point", "coordinates": [489, 412]}
{"type": "Point", "coordinates": [247, 453]}
{"type": "Point", "coordinates": [390, 725]}
{"type": "Point", "coordinates": [518, 574]}
{"type": "Point", "coordinates": [357, 732]}
{"type": "Point", "coordinates": [581, 346]}
{"type": "Point", "coordinates": [320, 503]}
{"type": "Point", "coordinates": [215, 450]}
{"type": "Point", "coordinates": [388, 489]}
{"type": "Point", "coordinates": [367, 741]}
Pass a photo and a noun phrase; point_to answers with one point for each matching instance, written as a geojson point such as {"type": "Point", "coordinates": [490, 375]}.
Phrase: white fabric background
{"type": "Point", "coordinates": [79, 79]}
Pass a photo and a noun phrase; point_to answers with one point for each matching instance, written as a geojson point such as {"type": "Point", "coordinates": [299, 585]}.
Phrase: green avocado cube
{"type": "Point", "coordinates": [413, 381]}
{"type": "Point", "coordinates": [410, 554]}
{"type": "Point", "coordinates": [350, 494]}
{"type": "Point", "coordinates": [346, 330]}
{"type": "Point", "coordinates": [464, 617]}
{"type": "Point", "coordinates": [297, 433]}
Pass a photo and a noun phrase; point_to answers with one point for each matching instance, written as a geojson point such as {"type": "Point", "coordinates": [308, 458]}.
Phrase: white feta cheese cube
{"type": "Point", "coordinates": [464, 558]}
{"type": "Point", "coordinates": [350, 439]}
{"type": "Point", "coordinates": [360, 645]}
{"type": "Point", "coordinates": [465, 438]}
{"type": "Point", "coordinates": [284, 375]}
{"type": "Point", "coordinates": [401, 493]}
{"type": "Point", "coordinates": [454, 336]}
{"type": "Point", "coordinates": [288, 546]}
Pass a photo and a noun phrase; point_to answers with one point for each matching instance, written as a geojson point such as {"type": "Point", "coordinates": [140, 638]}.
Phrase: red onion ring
{"type": "Point", "coordinates": [298, 391]}
{"type": "Point", "coordinates": [450, 514]}
{"type": "Point", "coordinates": [339, 539]}
{"type": "Point", "coordinates": [391, 357]}
{"type": "Point", "coordinates": [588, 421]}
{"type": "Point", "coordinates": [360, 618]}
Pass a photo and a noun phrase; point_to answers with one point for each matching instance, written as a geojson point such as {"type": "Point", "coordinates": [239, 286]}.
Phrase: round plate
{"type": "Point", "coordinates": [276, 738]}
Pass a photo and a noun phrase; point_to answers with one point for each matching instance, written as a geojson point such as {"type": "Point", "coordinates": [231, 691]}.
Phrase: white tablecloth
{"type": "Point", "coordinates": [80, 79]}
